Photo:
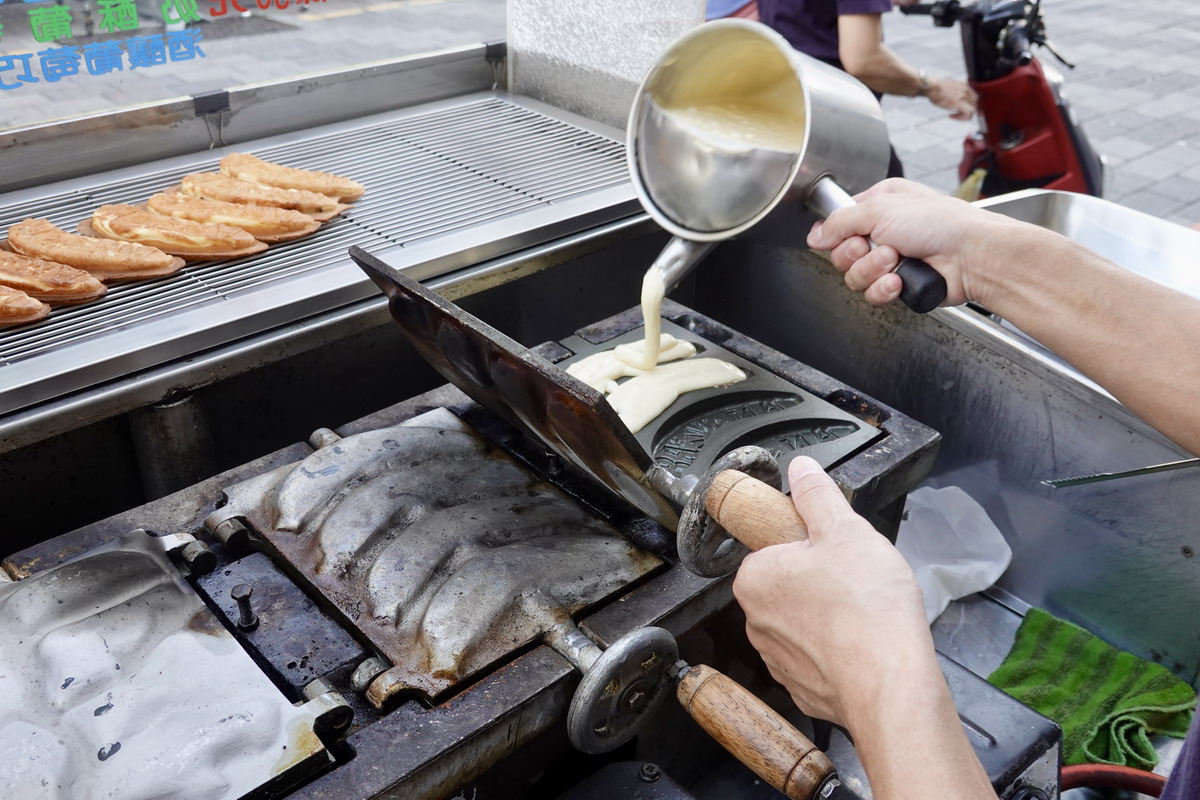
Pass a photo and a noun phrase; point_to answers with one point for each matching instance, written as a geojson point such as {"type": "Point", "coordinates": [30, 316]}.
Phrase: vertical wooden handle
{"type": "Point", "coordinates": [753, 733]}
{"type": "Point", "coordinates": [754, 513]}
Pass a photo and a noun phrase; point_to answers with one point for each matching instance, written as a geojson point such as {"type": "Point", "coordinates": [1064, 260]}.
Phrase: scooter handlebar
{"type": "Point", "coordinates": [944, 12]}
{"type": "Point", "coordinates": [1017, 45]}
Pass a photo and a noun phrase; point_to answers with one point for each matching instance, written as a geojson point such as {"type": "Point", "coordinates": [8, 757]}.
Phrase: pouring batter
{"type": "Point", "coordinates": [649, 392]}
{"type": "Point", "coordinates": [653, 291]}
{"type": "Point", "coordinates": [653, 384]}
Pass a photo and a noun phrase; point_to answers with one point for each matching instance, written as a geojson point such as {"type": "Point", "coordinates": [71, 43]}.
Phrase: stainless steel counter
{"type": "Point", "coordinates": [1161, 251]}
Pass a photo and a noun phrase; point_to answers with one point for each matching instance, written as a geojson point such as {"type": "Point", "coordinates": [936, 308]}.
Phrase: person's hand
{"type": "Point", "coordinates": [957, 239]}
{"type": "Point", "coordinates": [838, 619]}
{"type": "Point", "coordinates": [955, 96]}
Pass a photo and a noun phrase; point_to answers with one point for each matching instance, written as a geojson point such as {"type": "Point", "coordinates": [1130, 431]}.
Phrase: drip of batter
{"type": "Point", "coordinates": [653, 291]}
{"type": "Point", "coordinates": [757, 103]}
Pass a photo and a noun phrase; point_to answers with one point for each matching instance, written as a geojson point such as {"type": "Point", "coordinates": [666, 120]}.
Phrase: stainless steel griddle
{"type": "Point", "coordinates": [448, 184]}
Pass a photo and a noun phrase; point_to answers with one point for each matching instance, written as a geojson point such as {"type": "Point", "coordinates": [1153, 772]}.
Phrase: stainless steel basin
{"type": "Point", "coordinates": [1160, 250]}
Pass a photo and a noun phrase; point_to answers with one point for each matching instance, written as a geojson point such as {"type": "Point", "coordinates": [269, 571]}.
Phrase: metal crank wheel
{"type": "Point", "coordinates": [706, 548]}
{"type": "Point", "coordinates": [626, 684]}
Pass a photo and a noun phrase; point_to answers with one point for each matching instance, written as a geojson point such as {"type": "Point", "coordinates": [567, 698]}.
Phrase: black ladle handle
{"type": "Point", "coordinates": [924, 287]}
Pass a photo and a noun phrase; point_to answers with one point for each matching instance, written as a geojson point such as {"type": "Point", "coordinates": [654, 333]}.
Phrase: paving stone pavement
{"type": "Point", "coordinates": [1136, 89]}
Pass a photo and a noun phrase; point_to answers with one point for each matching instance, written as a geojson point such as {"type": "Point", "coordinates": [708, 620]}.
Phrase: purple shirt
{"type": "Point", "coordinates": [811, 25]}
{"type": "Point", "coordinates": [1184, 783]}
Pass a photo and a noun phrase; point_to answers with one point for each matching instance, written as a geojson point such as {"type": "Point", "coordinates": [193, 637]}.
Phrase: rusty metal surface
{"type": "Point", "coordinates": [442, 551]}
{"type": "Point", "coordinates": [676, 600]}
{"type": "Point", "coordinates": [418, 753]}
{"type": "Point", "coordinates": [295, 640]}
{"type": "Point", "coordinates": [571, 418]}
{"type": "Point", "coordinates": [120, 683]}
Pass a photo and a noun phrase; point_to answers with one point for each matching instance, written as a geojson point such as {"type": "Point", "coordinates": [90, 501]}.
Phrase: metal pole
{"type": "Point", "coordinates": [173, 444]}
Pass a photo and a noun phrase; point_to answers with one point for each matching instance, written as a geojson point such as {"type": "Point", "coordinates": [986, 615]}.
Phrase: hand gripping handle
{"type": "Point", "coordinates": [754, 734]}
{"type": "Point", "coordinates": [924, 287]}
{"type": "Point", "coordinates": [755, 514]}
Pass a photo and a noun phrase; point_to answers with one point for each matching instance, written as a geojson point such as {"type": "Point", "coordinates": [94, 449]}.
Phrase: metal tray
{"type": "Point", "coordinates": [1161, 251]}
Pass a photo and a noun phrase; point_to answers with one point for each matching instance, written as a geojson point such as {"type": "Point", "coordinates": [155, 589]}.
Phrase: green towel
{"type": "Point", "coordinates": [1107, 701]}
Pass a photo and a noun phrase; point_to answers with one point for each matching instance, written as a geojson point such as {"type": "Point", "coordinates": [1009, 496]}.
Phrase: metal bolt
{"type": "Point", "coordinates": [198, 558]}
{"type": "Point", "coordinates": [1187, 551]}
{"type": "Point", "coordinates": [650, 772]}
{"type": "Point", "coordinates": [323, 437]}
{"type": "Point", "coordinates": [554, 465]}
{"type": "Point", "coordinates": [232, 533]}
{"type": "Point", "coordinates": [318, 687]}
{"type": "Point", "coordinates": [247, 619]}
{"type": "Point", "coordinates": [635, 701]}
{"type": "Point", "coordinates": [366, 672]}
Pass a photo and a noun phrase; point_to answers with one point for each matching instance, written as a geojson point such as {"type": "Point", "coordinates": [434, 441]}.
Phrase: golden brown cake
{"type": "Point", "coordinates": [215, 186]}
{"type": "Point", "coordinates": [180, 237]}
{"type": "Point", "coordinates": [17, 308]}
{"type": "Point", "coordinates": [246, 167]}
{"type": "Point", "coordinates": [265, 223]}
{"type": "Point", "coordinates": [48, 281]}
{"type": "Point", "coordinates": [105, 259]}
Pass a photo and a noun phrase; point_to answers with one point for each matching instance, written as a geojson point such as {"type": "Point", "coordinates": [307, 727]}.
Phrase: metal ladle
{"type": "Point", "coordinates": [705, 188]}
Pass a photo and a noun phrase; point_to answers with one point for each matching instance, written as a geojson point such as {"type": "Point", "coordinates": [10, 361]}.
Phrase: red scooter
{"type": "Point", "coordinates": [1029, 137]}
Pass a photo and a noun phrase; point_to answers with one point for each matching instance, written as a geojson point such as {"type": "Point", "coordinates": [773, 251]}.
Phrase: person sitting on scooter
{"type": "Point", "coordinates": [862, 655]}
{"type": "Point", "coordinates": [849, 35]}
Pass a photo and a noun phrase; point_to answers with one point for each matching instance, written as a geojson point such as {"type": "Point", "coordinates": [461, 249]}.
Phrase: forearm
{"type": "Point", "coordinates": [911, 742]}
{"type": "Point", "coordinates": [1136, 338]}
{"type": "Point", "coordinates": [885, 72]}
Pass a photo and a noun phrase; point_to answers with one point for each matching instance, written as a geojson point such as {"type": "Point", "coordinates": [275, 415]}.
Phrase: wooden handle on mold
{"type": "Point", "coordinates": [754, 513]}
{"type": "Point", "coordinates": [753, 733]}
